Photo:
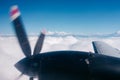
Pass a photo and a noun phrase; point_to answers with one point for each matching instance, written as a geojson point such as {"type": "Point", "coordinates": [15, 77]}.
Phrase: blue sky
{"type": "Point", "coordinates": [73, 16]}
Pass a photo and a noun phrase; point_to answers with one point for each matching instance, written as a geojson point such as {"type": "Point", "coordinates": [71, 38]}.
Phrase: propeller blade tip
{"type": "Point", "coordinates": [44, 31]}
{"type": "Point", "coordinates": [14, 12]}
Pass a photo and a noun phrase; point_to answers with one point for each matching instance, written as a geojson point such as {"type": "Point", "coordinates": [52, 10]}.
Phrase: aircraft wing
{"type": "Point", "coordinates": [103, 48]}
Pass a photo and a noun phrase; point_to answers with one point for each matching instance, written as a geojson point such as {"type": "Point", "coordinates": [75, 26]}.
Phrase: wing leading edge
{"type": "Point", "coordinates": [103, 48]}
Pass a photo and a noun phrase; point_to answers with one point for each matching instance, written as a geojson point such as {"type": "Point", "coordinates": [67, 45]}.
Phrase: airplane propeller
{"type": "Point", "coordinates": [28, 65]}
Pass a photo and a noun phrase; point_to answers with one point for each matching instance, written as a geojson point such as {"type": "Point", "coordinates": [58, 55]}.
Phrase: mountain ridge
{"type": "Point", "coordinates": [63, 34]}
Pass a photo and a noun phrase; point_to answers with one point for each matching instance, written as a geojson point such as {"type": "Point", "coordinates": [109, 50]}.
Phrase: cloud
{"type": "Point", "coordinates": [11, 52]}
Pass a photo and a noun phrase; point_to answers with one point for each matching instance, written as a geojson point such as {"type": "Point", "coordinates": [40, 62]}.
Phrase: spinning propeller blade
{"type": "Point", "coordinates": [26, 65]}
{"type": "Point", "coordinates": [20, 31]}
{"type": "Point", "coordinates": [39, 44]}
{"type": "Point", "coordinates": [31, 78]}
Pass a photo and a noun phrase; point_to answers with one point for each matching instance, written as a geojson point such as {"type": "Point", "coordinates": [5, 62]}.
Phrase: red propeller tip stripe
{"type": "Point", "coordinates": [14, 13]}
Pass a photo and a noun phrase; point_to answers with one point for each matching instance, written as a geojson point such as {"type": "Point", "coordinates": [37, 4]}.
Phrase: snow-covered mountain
{"type": "Point", "coordinates": [63, 34]}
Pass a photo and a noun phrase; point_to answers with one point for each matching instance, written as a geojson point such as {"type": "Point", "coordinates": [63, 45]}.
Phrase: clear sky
{"type": "Point", "coordinates": [73, 16]}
